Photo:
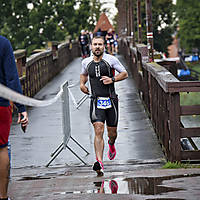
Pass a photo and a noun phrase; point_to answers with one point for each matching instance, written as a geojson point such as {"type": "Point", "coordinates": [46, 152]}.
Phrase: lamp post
{"type": "Point", "coordinates": [149, 30]}
{"type": "Point", "coordinates": [139, 21]}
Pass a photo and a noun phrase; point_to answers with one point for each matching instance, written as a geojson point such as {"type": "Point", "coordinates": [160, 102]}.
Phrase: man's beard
{"type": "Point", "coordinates": [98, 54]}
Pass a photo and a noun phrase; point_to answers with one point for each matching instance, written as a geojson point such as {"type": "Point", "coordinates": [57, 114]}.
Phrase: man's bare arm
{"type": "Point", "coordinates": [119, 77]}
{"type": "Point", "coordinates": [83, 81]}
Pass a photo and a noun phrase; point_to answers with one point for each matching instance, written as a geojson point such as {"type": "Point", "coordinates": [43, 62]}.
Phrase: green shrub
{"type": "Point", "coordinates": [177, 165]}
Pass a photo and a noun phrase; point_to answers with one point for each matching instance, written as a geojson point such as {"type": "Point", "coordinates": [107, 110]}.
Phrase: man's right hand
{"type": "Point", "coordinates": [23, 120]}
{"type": "Point", "coordinates": [84, 89]}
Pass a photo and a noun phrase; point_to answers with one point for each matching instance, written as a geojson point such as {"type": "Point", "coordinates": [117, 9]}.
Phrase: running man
{"type": "Point", "coordinates": [100, 69]}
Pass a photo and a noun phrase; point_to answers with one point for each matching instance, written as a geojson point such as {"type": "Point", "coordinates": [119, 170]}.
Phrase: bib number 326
{"type": "Point", "coordinates": [103, 103]}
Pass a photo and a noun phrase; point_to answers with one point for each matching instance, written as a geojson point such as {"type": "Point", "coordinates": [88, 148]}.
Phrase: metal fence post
{"type": "Point", "coordinates": [66, 114]}
{"type": "Point", "coordinates": [66, 126]}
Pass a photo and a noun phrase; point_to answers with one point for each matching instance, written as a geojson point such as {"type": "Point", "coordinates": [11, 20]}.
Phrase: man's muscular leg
{"type": "Point", "coordinates": [98, 140]}
{"type": "Point", "coordinates": [4, 172]}
{"type": "Point", "coordinates": [112, 134]}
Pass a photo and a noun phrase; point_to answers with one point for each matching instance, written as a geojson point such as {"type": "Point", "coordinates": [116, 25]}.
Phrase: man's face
{"type": "Point", "coordinates": [97, 46]}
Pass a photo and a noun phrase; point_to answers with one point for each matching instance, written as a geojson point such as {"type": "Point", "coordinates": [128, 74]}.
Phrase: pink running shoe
{"type": "Point", "coordinates": [113, 186]}
{"type": "Point", "coordinates": [111, 151]}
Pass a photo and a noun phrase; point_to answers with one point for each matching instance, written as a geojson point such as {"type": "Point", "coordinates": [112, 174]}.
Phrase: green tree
{"type": "Point", "coordinates": [87, 14]}
{"type": "Point", "coordinates": [162, 20]}
{"type": "Point", "coordinates": [14, 21]}
{"type": "Point", "coordinates": [188, 13]}
{"type": "Point", "coordinates": [5, 7]}
{"type": "Point", "coordinates": [44, 23]}
{"type": "Point", "coordinates": [66, 16]}
{"type": "Point", "coordinates": [95, 12]}
{"type": "Point", "coordinates": [31, 23]}
{"type": "Point", "coordinates": [163, 27]}
{"type": "Point", "coordinates": [83, 14]}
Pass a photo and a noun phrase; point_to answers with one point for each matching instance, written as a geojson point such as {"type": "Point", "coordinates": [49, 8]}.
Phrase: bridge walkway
{"type": "Point", "coordinates": [136, 138]}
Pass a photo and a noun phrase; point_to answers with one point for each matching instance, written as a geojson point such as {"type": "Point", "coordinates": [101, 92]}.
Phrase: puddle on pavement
{"type": "Point", "coordinates": [30, 178]}
{"type": "Point", "coordinates": [41, 176]}
{"type": "Point", "coordinates": [165, 199]}
{"type": "Point", "coordinates": [138, 185]}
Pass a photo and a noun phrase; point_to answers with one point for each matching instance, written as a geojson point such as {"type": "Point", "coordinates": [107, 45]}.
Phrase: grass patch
{"type": "Point", "coordinates": [191, 98]}
{"type": "Point", "coordinates": [177, 165]}
{"type": "Point", "coordinates": [194, 66]}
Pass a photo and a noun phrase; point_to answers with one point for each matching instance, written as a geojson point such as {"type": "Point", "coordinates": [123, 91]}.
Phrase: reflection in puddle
{"type": "Point", "coordinates": [148, 185]}
{"type": "Point", "coordinates": [112, 186]}
{"type": "Point", "coordinates": [138, 185]}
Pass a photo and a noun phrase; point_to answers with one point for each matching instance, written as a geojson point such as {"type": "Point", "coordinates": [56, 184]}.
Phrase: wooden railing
{"type": "Point", "coordinates": [160, 90]}
{"type": "Point", "coordinates": [37, 70]}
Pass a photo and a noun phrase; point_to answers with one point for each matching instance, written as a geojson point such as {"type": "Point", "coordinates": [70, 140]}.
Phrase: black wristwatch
{"type": "Point", "coordinates": [113, 79]}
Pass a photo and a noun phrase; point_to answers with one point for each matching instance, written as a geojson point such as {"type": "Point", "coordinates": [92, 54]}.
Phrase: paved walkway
{"type": "Point", "coordinates": [136, 168]}
{"type": "Point", "coordinates": [136, 138]}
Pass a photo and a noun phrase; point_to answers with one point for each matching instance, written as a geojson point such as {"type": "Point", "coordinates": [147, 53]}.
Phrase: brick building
{"type": "Point", "coordinates": [103, 24]}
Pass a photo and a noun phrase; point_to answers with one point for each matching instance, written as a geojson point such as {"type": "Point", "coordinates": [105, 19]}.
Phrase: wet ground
{"type": "Point", "coordinates": [128, 182]}
{"type": "Point", "coordinates": [44, 134]}
{"type": "Point", "coordinates": [134, 174]}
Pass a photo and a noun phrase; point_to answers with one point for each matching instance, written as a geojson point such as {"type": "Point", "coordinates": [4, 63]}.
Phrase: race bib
{"type": "Point", "coordinates": [103, 103]}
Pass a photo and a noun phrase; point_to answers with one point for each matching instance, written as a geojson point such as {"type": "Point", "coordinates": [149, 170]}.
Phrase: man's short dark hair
{"type": "Point", "coordinates": [98, 37]}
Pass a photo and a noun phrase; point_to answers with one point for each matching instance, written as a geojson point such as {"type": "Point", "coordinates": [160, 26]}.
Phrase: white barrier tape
{"type": "Point", "coordinates": [73, 85]}
{"type": "Point", "coordinates": [81, 101]}
{"type": "Point", "coordinates": [11, 95]}
{"type": "Point", "coordinates": [72, 96]}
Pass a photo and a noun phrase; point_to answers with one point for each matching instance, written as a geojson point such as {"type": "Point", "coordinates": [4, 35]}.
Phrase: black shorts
{"type": "Point", "coordinates": [109, 115]}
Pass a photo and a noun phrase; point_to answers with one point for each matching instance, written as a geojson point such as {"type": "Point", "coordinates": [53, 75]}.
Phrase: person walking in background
{"type": "Point", "coordinates": [104, 101]}
{"type": "Point", "coordinates": [99, 33]}
{"type": "Point", "coordinates": [84, 43]}
{"type": "Point", "coordinates": [110, 42]}
{"type": "Point", "coordinates": [115, 36]}
{"type": "Point", "coordinates": [90, 36]}
{"type": "Point", "coordinates": [8, 77]}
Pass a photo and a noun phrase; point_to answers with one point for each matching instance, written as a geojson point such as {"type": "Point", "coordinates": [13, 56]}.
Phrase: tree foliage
{"type": "Point", "coordinates": [162, 20]}
{"type": "Point", "coordinates": [31, 24]}
{"type": "Point", "coordinates": [163, 27]}
{"type": "Point", "coordinates": [188, 13]}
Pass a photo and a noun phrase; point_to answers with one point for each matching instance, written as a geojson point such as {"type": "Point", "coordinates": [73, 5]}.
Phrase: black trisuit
{"type": "Point", "coordinates": [95, 70]}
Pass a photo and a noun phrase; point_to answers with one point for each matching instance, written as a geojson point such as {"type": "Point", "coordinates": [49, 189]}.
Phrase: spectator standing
{"type": "Point", "coordinates": [8, 77]}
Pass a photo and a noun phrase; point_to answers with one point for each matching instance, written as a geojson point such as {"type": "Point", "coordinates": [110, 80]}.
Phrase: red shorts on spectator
{"type": "Point", "coordinates": [5, 123]}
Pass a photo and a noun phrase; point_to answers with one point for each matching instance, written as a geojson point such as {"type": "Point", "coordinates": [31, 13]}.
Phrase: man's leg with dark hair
{"type": "Point", "coordinates": [112, 134]}
{"type": "Point", "coordinates": [98, 140]}
{"type": "Point", "coordinates": [4, 172]}
{"type": "Point", "coordinates": [99, 147]}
